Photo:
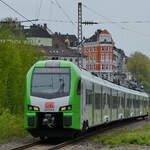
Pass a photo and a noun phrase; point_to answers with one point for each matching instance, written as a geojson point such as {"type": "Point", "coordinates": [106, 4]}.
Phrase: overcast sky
{"type": "Point", "coordinates": [130, 37]}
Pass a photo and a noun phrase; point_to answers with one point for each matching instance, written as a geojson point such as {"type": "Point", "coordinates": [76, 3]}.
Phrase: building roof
{"type": "Point", "coordinates": [71, 37]}
{"type": "Point", "coordinates": [94, 38]}
{"type": "Point", "coordinates": [62, 52]}
{"type": "Point", "coordinates": [105, 32]}
{"type": "Point", "coordinates": [36, 31]}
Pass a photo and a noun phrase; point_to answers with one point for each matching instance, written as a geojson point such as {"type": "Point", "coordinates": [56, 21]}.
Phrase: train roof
{"type": "Point", "coordinates": [88, 76]}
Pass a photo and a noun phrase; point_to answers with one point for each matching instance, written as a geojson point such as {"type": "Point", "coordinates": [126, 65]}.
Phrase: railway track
{"type": "Point", "coordinates": [55, 144]}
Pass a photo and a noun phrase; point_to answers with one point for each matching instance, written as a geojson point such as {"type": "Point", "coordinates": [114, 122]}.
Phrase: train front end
{"type": "Point", "coordinates": [52, 108]}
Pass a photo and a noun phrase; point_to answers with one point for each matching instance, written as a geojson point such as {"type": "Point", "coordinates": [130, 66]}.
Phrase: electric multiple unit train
{"type": "Point", "coordinates": [62, 99]}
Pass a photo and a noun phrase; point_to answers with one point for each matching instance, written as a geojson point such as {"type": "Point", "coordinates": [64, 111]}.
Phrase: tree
{"type": "Point", "coordinates": [15, 60]}
{"type": "Point", "coordinates": [139, 65]}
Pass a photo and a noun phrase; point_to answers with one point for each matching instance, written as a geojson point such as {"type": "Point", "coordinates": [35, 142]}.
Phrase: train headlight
{"type": "Point", "coordinates": [33, 108]}
{"type": "Point", "coordinates": [63, 108]}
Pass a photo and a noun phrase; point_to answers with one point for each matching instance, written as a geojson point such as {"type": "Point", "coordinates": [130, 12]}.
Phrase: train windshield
{"type": "Point", "coordinates": [50, 82]}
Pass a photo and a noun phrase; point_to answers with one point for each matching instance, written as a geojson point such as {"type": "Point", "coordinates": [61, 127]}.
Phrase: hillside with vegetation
{"type": "Point", "coordinates": [16, 58]}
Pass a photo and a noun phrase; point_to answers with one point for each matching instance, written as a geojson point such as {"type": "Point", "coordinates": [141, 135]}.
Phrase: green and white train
{"type": "Point", "coordinates": [62, 99]}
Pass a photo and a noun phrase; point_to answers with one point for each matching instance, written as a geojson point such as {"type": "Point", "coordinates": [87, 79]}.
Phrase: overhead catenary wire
{"type": "Point", "coordinates": [59, 6]}
{"type": "Point", "coordinates": [99, 22]}
{"type": "Point", "coordinates": [39, 11]}
{"type": "Point", "coordinates": [23, 15]}
{"type": "Point", "coordinates": [117, 23]}
{"type": "Point", "coordinates": [16, 11]}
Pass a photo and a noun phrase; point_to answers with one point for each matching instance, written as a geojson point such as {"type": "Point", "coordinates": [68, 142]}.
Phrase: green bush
{"type": "Point", "coordinates": [11, 127]}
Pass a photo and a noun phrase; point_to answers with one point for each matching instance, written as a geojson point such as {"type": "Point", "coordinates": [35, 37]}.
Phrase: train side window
{"type": "Point", "coordinates": [79, 87]}
{"type": "Point", "coordinates": [123, 102]}
{"type": "Point", "coordinates": [134, 103]}
{"type": "Point", "coordinates": [88, 97]}
{"type": "Point", "coordinates": [97, 101]}
{"type": "Point", "coordinates": [115, 102]}
{"type": "Point", "coordinates": [108, 99]}
{"type": "Point", "coordinates": [128, 101]}
{"type": "Point", "coordinates": [103, 100]}
{"type": "Point", "coordinates": [114, 99]}
{"type": "Point", "coordinates": [137, 103]}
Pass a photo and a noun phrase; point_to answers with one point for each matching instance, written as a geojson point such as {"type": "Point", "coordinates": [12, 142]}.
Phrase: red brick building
{"type": "Point", "coordinates": [100, 51]}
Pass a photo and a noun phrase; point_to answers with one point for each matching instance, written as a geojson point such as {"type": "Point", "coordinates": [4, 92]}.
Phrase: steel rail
{"type": "Point", "coordinates": [96, 130]}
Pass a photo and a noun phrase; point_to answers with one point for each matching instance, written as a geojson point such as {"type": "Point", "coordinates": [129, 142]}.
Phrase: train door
{"type": "Point", "coordinates": [97, 105]}
{"type": "Point", "coordinates": [127, 108]}
{"type": "Point", "coordinates": [147, 106]}
{"type": "Point", "coordinates": [131, 105]}
{"type": "Point", "coordinates": [144, 105]}
{"type": "Point", "coordinates": [120, 107]}
{"type": "Point", "coordinates": [134, 104]}
{"type": "Point", "coordinates": [114, 104]}
{"type": "Point", "coordinates": [141, 106]}
{"type": "Point", "coordinates": [138, 106]}
{"type": "Point", "coordinates": [87, 102]}
{"type": "Point", "coordinates": [125, 112]}
{"type": "Point", "coordinates": [106, 104]}
{"type": "Point", "coordinates": [123, 104]}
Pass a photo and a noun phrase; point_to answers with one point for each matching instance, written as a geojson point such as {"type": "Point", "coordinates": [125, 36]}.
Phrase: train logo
{"type": "Point", "coordinates": [49, 106]}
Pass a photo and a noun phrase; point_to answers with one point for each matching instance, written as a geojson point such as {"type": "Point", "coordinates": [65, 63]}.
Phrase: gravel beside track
{"type": "Point", "coordinates": [21, 142]}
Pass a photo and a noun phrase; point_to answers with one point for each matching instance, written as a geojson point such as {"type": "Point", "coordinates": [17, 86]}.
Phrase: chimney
{"type": "Point", "coordinates": [45, 26]}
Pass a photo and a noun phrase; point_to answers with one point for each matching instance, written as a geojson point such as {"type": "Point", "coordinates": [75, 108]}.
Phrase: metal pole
{"type": "Point", "coordinates": [80, 32]}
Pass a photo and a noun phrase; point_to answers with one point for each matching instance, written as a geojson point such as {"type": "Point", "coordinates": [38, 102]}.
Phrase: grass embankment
{"type": "Point", "coordinates": [11, 127]}
{"type": "Point", "coordinates": [140, 136]}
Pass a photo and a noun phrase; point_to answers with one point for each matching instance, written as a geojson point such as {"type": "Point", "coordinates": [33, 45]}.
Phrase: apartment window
{"type": "Point", "coordinates": [110, 57]}
{"type": "Point", "coordinates": [94, 56]}
{"type": "Point", "coordinates": [102, 48]}
{"type": "Point", "coordinates": [110, 48]}
{"type": "Point", "coordinates": [106, 48]}
{"type": "Point", "coordinates": [91, 57]}
{"type": "Point", "coordinates": [89, 49]}
{"type": "Point", "coordinates": [94, 49]}
{"type": "Point", "coordinates": [102, 56]}
{"type": "Point", "coordinates": [102, 66]}
{"type": "Point", "coordinates": [86, 49]}
{"type": "Point", "coordinates": [94, 66]}
{"type": "Point", "coordinates": [107, 56]}
{"type": "Point", "coordinates": [106, 66]}
{"type": "Point", "coordinates": [110, 68]}
{"type": "Point", "coordinates": [90, 66]}
{"type": "Point", "coordinates": [71, 59]}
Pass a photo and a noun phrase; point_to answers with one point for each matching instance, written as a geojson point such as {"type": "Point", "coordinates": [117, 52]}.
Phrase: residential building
{"type": "Point", "coordinates": [61, 51]}
{"type": "Point", "coordinates": [38, 35]}
{"type": "Point", "coordinates": [70, 40]}
{"type": "Point", "coordinates": [103, 58]}
{"type": "Point", "coordinates": [99, 49]}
